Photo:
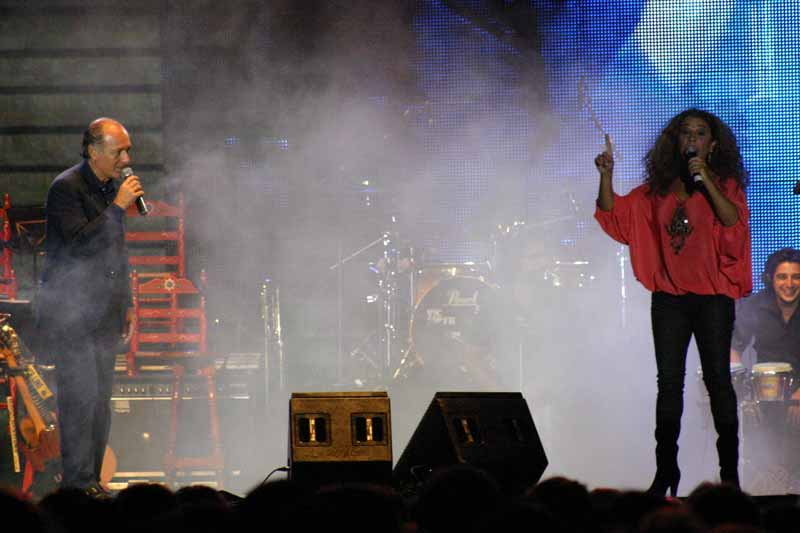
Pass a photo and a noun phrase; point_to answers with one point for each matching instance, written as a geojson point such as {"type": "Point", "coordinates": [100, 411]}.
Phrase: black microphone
{"type": "Point", "coordinates": [140, 205]}
{"type": "Point", "coordinates": [690, 153]}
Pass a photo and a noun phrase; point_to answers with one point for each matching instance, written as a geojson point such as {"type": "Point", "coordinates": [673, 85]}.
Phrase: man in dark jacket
{"type": "Point", "coordinates": [85, 293]}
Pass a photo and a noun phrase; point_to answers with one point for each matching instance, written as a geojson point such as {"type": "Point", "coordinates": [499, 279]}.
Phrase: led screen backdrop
{"type": "Point", "coordinates": [638, 64]}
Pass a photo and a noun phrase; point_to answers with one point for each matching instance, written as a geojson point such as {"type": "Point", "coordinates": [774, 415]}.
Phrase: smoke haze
{"type": "Point", "coordinates": [302, 135]}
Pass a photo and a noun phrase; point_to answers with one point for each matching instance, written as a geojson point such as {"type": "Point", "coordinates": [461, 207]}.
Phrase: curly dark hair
{"type": "Point", "coordinates": [784, 255]}
{"type": "Point", "coordinates": [664, 161]}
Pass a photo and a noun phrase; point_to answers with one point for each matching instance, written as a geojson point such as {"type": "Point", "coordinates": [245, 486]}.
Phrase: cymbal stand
{"type": "Point", "coordinates": [387, 285]}
{"type": "Point", "coordinates": [274, 364]}
{"type": "Point", "coordinates": [356, 253]}
{"type": "Point", "coordinates": [623, 293]}
{"type": "Point", "coordinates": [388, 291]}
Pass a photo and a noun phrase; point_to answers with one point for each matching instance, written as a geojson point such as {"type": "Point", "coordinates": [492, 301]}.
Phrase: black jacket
{"type": "Point", "coordinates": [85, 276]}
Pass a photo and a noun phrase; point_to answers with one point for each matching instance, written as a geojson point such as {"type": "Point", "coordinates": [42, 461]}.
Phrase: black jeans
{"type": "Point", "coordinates": [710, 319]}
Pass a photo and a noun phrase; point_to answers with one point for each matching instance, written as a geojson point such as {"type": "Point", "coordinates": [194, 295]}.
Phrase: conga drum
{"type": "Point", "coordinates": [772, 382]}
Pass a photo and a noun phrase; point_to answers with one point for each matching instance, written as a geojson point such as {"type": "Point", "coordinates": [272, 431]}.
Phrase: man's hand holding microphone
{"type": "Point", "coordinates": [130, 191]}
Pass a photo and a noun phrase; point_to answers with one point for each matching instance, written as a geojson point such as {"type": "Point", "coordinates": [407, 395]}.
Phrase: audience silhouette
{"type": "Point", "coordinates": [459, 498]}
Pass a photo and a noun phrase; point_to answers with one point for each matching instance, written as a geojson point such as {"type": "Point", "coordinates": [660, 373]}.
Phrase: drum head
{"type": "Point", "coordinates": [772, 368]}
{"type": "Point", "coordinates": [454, 330]}
{"type": "Point", "coordinates": [772, 381]}
{"type": "Point", "coordinates": [432, 274]}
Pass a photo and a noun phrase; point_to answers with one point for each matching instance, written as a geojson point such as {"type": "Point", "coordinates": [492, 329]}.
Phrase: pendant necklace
{"type": "Point", "coordinates": [679, 228]}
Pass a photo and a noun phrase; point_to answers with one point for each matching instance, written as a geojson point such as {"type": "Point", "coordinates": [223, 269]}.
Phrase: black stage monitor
{"type": "Point", "coordinates": [493, 431]}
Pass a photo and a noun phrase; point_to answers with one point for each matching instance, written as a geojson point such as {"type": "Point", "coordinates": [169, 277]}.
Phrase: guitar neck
{"type": "Point", "coordinates": [30, 405]}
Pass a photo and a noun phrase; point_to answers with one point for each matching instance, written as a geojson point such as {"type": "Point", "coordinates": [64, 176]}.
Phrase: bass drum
{"type": "Point", "coordinates": [432, 274]}
{"type": "Point", "coordinates": [454, 333]}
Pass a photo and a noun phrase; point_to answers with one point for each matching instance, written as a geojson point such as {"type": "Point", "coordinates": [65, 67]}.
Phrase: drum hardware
{"type": "Point", "coordinates": [364, 355]}
{"type": "Point", "coordinates": [269, 295]}
{"type": "Point", "coordinates": [573, 272]}
{"type": "Point", "coordinates": [338, 267]}
{"type": "Point", "coordinates": [442, 323]}
{"type": "Point", "coordinates": [622, 255]}
{"type": "Point", "coordinates": [357, 252]}
{"type": "Point", "coordinates": [388, 283]}
{"type": "Point", "coordinates": [453, 332]}
{"type": "Point", "coordinates": [410, 359]}
{"type": "Point", "coordinates": [431, 274]}
{"type": "Point", "coordinates": [517, 226]}
{"type": "Point", "coordinates": [378, 350]}
{"type": "Point", "coordinates": [505, 236]}
{"type": "Point", "coordinates": [519, 254]}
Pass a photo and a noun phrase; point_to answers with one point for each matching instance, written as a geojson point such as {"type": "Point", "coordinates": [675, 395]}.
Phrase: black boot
{"type": "Point", "coordinates": [728, 450]}
{"type": "Point", "coordinates": [666, 478]}
{"type": "Point", "coordinates": [668, 475]}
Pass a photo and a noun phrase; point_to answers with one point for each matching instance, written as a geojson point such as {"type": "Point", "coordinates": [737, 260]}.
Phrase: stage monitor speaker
{"type": "Point", "coordinates": [491, 431]}
{"type": "Point", "coordinates": [340, 437]}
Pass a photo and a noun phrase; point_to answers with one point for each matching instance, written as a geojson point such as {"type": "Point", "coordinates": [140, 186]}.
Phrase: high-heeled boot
{"type": "Point", "coordinates": [665, 478]}
{"type": "Point", "coordinates": [668, 475]}
{"type": "Point", "coordinates": [728, 450]}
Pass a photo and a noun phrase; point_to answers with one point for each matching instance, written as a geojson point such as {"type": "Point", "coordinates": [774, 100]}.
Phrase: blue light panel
{"type": "Point", "coordinates": [641, 63]}
{"type": "Point", "coordinates": [473, 124]}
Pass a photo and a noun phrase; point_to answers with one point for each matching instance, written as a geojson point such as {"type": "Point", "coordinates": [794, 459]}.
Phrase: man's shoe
{"type": "Point", "coordinates": [97, 491]}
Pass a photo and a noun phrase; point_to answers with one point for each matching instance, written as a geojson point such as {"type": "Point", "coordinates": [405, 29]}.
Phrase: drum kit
{"type": "Point", "coordinates": [443, 322]}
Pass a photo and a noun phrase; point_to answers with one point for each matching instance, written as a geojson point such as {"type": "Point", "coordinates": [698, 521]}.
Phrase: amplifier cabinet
{"type": "Point", "coordinates": [141, 408]}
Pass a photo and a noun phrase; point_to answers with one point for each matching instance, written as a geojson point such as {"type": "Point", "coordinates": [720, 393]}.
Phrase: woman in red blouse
{"type": "Point", "coordinates": [687, 228]}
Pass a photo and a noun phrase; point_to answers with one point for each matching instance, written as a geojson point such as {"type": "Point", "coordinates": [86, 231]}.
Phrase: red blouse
{"type": "Point", "coordinates": [714, 259]}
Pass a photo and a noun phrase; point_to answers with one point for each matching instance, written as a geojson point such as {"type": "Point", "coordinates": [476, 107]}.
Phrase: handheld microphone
{"type": "Point", "coordinates": [690, 153]}
{"type": "Point", "coordinates": [140, 204]}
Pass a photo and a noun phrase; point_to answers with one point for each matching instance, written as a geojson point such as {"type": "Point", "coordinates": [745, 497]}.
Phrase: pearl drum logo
{"type": "Point", "coordinates": [439, 316]}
